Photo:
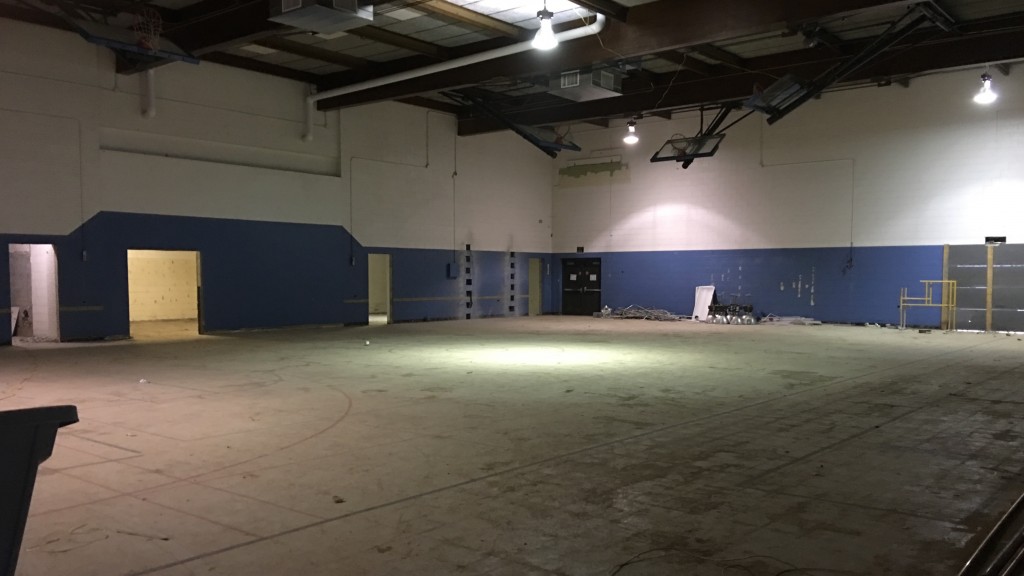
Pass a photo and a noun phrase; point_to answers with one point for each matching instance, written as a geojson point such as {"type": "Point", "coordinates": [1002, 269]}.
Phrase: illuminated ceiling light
{"type": "Point", "coordinates": [985, 95]}
{"type": "Point", "coordinates": [545, 38]}
{"type": "Point", "coordinates": [631, 137]}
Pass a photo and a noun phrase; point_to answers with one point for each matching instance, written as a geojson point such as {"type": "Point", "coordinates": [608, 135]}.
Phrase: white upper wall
{"type": "Point", "coordinates": [223, 143]}
{"type": "Point", "coordinates": [415, 184]}
{"type": "Point", "coordinates": [227, 143]}
{"type": "Point", "coordinates": [889, 166]}
{"type": "Point", "coordinates": [503, 194]}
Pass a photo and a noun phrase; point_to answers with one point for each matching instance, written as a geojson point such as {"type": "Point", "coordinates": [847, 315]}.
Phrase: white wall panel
{"type": "Point", "coordinates": [224, 142]}
{"type": "Point", "coordinates": [30, 50]}
{"type": "Point", "coordinates": [40, 178]}
{"type": "Point", "coordinates": [503, 194]}
{"type": "Point", "coordinates": [245, 125]}
{"type": "Point", "coordinates": [397, 165]}
{"type": "Point", "coordinates": [212, 151]}
{"type": "Point", "coordinates": [227, 143]}
{"type": "Point", "coordinates": [150, 184]}
{"type": "Point", "coordinates": [222, 87]}
{"type": "Point", "coordinates": [415, 184]}
{"type": "Point", "coordinates": [400, 206]}
{"type": "Point", "coordinates": [891, 166]}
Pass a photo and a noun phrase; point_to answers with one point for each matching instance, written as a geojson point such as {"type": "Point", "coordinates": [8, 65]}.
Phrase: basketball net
{"type": "Point", "coordinates": [147, 26]}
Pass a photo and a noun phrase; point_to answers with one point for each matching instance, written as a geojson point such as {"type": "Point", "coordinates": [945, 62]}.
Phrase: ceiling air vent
{"type": "Point", "coordinates": [570, 79]}
{"type": "Point", "coordinates": [322, 16]}
{"type": "Point", "coordinates": [584, 85]}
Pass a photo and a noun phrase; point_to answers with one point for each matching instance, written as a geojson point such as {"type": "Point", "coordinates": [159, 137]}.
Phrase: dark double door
{"type": "Point", "coordinates": [581, 286]}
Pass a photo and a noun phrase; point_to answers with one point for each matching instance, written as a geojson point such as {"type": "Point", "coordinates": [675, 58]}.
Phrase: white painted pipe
{"type": "Point", "coordinates": [149, 94]}
{"type": "Point", "coordinates": [588, 30]}
{"type": "Point", "coordinates": [307, 134]}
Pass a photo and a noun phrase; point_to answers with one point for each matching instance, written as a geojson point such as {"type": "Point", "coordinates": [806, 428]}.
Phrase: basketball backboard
{"type": "Point", "coordinates": [688, 148]}
{"type": "Point", "coordinates": [126, 42]}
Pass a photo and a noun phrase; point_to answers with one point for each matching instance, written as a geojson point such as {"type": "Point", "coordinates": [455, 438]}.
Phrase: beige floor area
{"type": "Point", "coordinates": [528, 446]}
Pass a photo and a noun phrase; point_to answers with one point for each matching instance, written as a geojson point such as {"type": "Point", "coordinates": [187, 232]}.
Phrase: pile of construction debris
{"type": "Point", "coordinates": [794, 320]}
{"type": "Point", "coordinates": [634, 312]}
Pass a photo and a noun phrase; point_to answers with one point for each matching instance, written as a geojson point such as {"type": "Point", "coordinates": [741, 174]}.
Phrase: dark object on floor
{"type": "Point", "coordinates": [26, 440]}
{"type": "Point", "coordinates": [1002, 551]}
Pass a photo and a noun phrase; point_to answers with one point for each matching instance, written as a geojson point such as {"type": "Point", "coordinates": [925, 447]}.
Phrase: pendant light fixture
{"type": "Point", "coordinates": [631, 137]}
{"type": "Point", "coordinates": [545, 38]}
{"type": "Point", "coordinates": [985, 95]}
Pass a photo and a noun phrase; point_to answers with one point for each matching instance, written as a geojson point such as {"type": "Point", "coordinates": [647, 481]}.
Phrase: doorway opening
{"type": "Point", "coordinates": [536, 282]}
{"type": "Point", "coordinates": [35, 310]}
{"type": "Point", "coordinates": [163, 293]}
{"type": "Point", "coordinates": [581, 286]}
{"type": "Point", "coordinates": [379, 278]}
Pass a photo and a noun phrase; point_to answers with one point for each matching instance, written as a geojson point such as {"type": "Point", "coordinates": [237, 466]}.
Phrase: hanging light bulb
{"type": "Point", "coordinates": [545, 38]}
{"type": "Point", "coordinates": [985, 95]}
{"type": "Point", "coordinates": [631, 137]}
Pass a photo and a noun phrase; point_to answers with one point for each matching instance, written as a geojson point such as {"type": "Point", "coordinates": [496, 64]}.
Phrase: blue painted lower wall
{"type": "Point", "coordinates": [268, 274]}
{"type": "Point", "coordinates": [822, 283]}
{"type": "Point", "coordinates": [254, 274]}
{"type": "Point", "coordinates": [489, 284]}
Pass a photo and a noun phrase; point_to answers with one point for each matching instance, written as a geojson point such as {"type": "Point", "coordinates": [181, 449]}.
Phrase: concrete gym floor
{"type": "Point", "coordinates": [569, 446]}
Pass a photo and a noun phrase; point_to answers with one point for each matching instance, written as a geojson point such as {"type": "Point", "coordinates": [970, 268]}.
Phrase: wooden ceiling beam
{"type": "Point", "coordinates": [473, 18]}
{"type": "Point", "coordinates": [400, 41]}
{"type": "Point", "coordinates": [254, 65]}
{"type": "Point", "coordinates": [213, 25]}
{"type": "Point", "coordinates": [448, 107]}
{"type": "Point", "coordinates": [720, 55]}
{"type": "Point", "coordinates": [607, 7]}
{"type": "Point", "coordinates": [687, 62]}
{"type": "Point", "coordinates": [314, 52]}
{"type": "Point", "coordinates": [652, 28]}
{"type": "Point", "coordinates": [920, 54]}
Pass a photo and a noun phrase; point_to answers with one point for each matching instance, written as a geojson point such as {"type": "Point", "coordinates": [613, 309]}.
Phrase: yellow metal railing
{"type": "Point", "coordinates": [947, 301]}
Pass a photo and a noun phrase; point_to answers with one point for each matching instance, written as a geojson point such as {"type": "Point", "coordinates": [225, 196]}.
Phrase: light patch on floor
{"type": "Point", "coordinates": [544, 445]}
{"type": "Point", "coordinates": [164, 330]}
{"type": "Point", "coordinates": [528, 356]}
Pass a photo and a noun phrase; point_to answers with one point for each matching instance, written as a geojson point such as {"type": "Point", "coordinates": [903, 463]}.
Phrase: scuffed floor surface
{"type": "Point", "coordinates": [570, 446]}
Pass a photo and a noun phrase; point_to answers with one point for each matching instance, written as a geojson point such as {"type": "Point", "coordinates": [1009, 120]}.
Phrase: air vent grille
{"type": "Point", "coordinates": [570, 79]}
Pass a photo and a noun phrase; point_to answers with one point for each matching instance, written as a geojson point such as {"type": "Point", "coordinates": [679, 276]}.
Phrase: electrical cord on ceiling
{"type": "Point", "coordinates": [670, 83]}
{"type": "Point", "coordinates": [598, 35]}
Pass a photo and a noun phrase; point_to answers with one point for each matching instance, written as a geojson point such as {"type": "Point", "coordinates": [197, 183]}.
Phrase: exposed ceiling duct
{"type": "Point", "coordinates": [566, 36]}
{"type": "Point", "coordinates": [584, 85]}
{"type": "Point", "coordinates": [322, 16]}
{"type": "Point", "coordinates": [673, 56]}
